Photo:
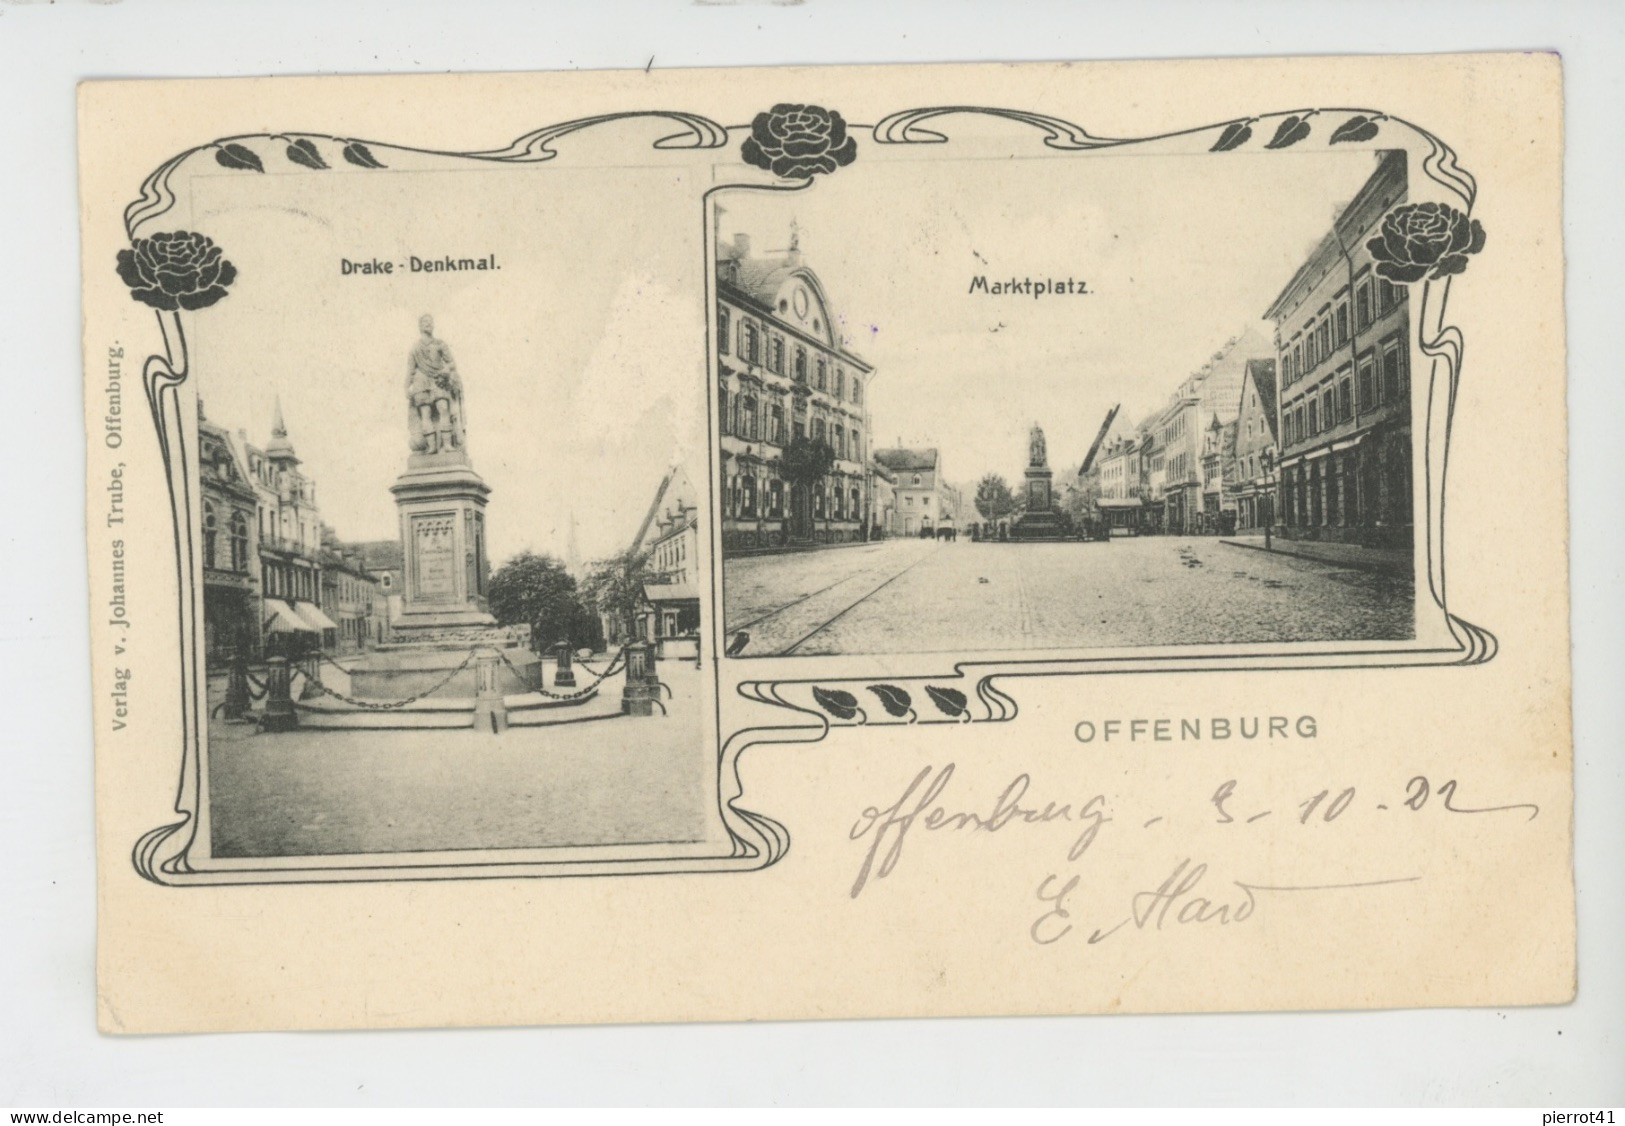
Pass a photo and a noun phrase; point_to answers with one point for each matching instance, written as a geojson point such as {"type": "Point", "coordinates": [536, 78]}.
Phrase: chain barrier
{"type": "Point", "coordinates": [615, 665]}
{"type": "Point", "coordinates": [384, 706]}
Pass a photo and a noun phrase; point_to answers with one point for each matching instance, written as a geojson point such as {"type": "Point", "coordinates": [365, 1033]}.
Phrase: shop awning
{"type": "Point", "coordinates": [312, 613]}
{"type": "Point", "coordinates": [671, 592]}
{"type": "Point", "coordinates": [280, 618]}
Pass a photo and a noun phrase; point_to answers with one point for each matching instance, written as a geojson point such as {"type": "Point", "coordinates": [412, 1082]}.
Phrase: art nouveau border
{"type": "Point", "coordinates": [925, 690]}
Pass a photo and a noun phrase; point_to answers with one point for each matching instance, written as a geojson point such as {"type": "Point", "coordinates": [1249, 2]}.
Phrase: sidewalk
{"type": "Point", "coordinates": [1395, 561]}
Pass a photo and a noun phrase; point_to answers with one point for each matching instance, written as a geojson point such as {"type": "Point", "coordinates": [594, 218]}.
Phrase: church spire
{"type": "Point", "coordinates": [280, 449]}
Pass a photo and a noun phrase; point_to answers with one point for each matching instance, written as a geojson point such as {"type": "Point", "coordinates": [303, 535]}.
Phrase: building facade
{"type": "Point", "coordinates": [669, 542]}
{"type": "Point", "coordinates": [1343, 346]}
{"type": "Point", "coordinates": [785, 376]}
{"type": "Point", "coordinates": [882, 499]}
{"type": "Point", "coordinates": [277, 581]}
{"type": "Point", "coordinates": [921, 499]}
{"type": "Point", "coordinates": [1120, 496]}
{"type": "Point", "coordinates": [1256, 448]}
{"type": "Point", "coordinates": [231, 572]}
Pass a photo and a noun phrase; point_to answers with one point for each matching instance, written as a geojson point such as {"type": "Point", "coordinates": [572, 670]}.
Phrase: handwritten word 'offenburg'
{"type": "Point", "coordinates": [920, 805]}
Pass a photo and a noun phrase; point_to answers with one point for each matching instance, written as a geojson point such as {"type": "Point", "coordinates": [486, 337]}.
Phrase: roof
{"type": "Point", "coordinates": [906, 460]}
{"type": "Point", "coordinates": [658, 593]}
{"type": "Point", "coordinates": [759, 281]}
{"type": "Point", "coordinates": [1389, 175]}
{"type": "Point", "coordinates": [1262, 375]}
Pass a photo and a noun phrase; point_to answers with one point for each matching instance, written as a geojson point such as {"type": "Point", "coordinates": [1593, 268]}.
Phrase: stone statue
{"type": "Point", "coordinates": [1036, 455]}
{"type": "Point", "coordinates": [434, 393]}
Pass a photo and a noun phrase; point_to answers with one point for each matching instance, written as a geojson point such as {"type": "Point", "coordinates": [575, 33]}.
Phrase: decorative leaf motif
{"type": "Point", "coordinates": [359, 154]}
{"type": "Point", "coordinates": [838, 703]}
{"type": "Point", "coordinates": [1236, 134]}
{"type": "Point", "coordinates": [949, 701]}
{"type": "Point", "coordinates": [233, 155]}
{"type": "Point", "coordinates": [896, 701]}
{"type": "Point", "coordinates": [304, 151]}
{"type": "Point", "coordinates": [1357, 128]}
{"type": "Point", "coordinates": [1292, 130]}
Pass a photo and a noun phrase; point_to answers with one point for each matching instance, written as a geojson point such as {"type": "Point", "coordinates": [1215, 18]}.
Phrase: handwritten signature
{"type": "Point", "coordinates": [1151, 909]}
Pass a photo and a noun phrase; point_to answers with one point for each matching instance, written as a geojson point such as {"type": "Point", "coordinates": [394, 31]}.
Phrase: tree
{"type": "Point", "coordinates": [614, 588]}
{"type": "Point", "coordinates": [537, 591]}
{"type": "Point", "coordinates": [806, 462]}
{"type": "Point", "coordinates": [994, 500]}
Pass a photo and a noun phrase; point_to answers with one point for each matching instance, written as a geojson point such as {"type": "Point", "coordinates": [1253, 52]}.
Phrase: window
{"type": "Point", "coordinates": [857, 390]}
{"type": "Point", "coordinates": [857, 506]}
{"type": "Point", "coordinates": [821, 374]}
{"type": "Point", "coordinates": [775, 354]}
{"type": "Point", "coordinates": [818, 503]}
{"type": "Point", "coordinates": [840, 503]}
{"type": "Point", "coordinates": [722, 331]}
{"type": "Point", "coordinates": [1324, 343]}
{"type": "Point", "coordinates": [857, 450]}
{"type": "Point", "coordinates": [801, 429]}
{"type": "Point", "coordinates": [916, 480]}
{"type": "Point", "coordinates": [1386, 296]}
{"type": "Point", "coordinates": [747, 418]}
{"type": "Point", "coordinates": [211, 532]}
{"type": "Point", "coordinates": [840, 443]}
{"type": "Point", "coordinates": [239, 541]}
{"type": "Point", "coordinates": [818, 430]}
{"type": "Point", "coordinates": [775, 498]}
{"type": "Point", "coordinates": [1297, 362]}
{"type": "Point", "coordinates": [1390, 371]}
{"type": "Point", "coordinates": [722, 410]}
{"type": "Point", "coordinates": [1368, 382]}
{"type": "Point", "coordinates": [750, 343]}
{"type": "Point", "coordinates": [1343, 323]}
{"type": "Point", "coordinates": [1328, 408]}
{"type": "Point", "coordinates": [1362, 305]}
{"type": "Point", "coordinates": [776, 433]}
{"type": "Point", "coordinates": [1345, 399]}
{"type": "Point", "coordinates": [747, 494]}
{"type": "Point", "coordinates": [801, 365]}
{"type": "Point", "coordinates": [1314, 418]}
{"type": "Point", "coordinates": [840, 383]}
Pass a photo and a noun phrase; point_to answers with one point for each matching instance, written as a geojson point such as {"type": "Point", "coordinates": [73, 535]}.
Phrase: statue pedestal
{"type": "Point", "coordinates": [1039, 521]}
{"type": "Point", "coordinates": [441, 501]}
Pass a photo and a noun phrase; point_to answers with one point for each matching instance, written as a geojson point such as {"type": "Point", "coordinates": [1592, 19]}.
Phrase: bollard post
{"type": "Point", "coordinates": [564, 676]}
{"type": "Point", "coordinates": [279, 710]}
{"type": "Point", "coordinates": [237, 702]}
{"type": "Point", "coordinates": [637, 697]}
{"type": "Point", "coordinates": [489, 710]}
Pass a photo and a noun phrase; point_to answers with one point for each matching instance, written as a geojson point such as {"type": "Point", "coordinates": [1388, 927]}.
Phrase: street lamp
{"type": "Point", "coordinates": [1268, 461]}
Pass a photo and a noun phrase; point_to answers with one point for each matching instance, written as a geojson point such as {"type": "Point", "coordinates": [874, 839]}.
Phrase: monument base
{"type": "Point", "coordinates": [1037, 526]}
{"type": "Point", "coordinates": [441, 502]}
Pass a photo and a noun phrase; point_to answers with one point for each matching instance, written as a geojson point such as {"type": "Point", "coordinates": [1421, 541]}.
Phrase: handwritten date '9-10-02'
{"type": "Point", "coordinates": [1184, 896]}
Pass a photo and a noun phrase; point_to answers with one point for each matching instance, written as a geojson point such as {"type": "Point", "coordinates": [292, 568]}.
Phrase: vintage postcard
{"type": "Point", "coordinates": [805, 543]}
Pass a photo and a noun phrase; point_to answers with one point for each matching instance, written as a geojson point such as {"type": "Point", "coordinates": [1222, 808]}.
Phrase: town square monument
{"type": "Point", "coordinates": [441, 500]}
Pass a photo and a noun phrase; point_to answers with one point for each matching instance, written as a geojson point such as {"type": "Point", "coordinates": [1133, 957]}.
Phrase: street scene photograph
{"type": "Point", "coordinates": [1137, 401]}
{"type": "Point", "coordinates": [451, 579]}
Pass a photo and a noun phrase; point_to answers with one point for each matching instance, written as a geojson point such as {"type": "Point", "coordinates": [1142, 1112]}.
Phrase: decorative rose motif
{"type": "Point", "coordinates": [176, 270]}
{"type": "Point", "coordinates": [795, 141]}
{"type": "Point", "coordinates": [1425, 240]}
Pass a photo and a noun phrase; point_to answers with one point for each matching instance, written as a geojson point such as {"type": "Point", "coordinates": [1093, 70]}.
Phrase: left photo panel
{"type": "Point", "coordinates": [442, 562]}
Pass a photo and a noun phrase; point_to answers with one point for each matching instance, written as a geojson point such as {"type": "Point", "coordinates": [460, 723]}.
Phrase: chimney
{"type": "Point", "coordinates": [742, 244]}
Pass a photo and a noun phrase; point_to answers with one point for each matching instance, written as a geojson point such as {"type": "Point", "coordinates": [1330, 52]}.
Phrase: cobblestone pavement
{"type": "Point", "coordinates": [613, 781]}
{"type": "Point", "coordinates": [908, 596]}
